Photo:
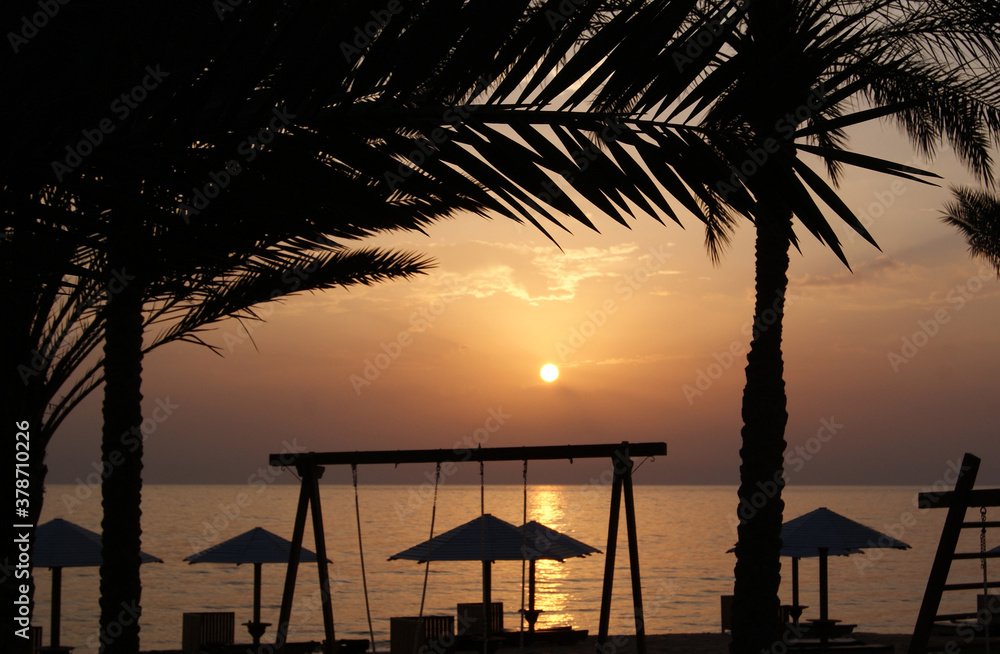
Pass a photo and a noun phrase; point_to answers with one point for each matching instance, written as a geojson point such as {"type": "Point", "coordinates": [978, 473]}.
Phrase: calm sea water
{"type": "Point", "coordinates": [684, 532]}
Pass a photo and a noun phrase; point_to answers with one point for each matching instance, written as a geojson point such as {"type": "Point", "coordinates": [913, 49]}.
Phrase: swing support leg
{"type": "Point", "coordinates": [294, 553]}
{"type": "Point", "coordinates": [330, 644]}
{"type": "Point", "coordinates": [609, 559]}
{"type": "Point", "coordinates": [633, 558]}
{"type": "Point", "coordinates": [308, 496]}
{"type": "Point", "coordinates": [622, 463]}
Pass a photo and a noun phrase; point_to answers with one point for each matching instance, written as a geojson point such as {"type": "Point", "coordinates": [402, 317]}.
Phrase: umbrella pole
{"type": "Point", "coordinates": [256, 600]}
{"type": "Point", "coordinates": [796, 611]}
{"type": "Point", "coordinates": [823, 585]}
{"type": "Point", "coordinates": [824, 589]}
{"type": "Point", "coordinates": [531, 598]}
{"type": "Point", "coordinates": [487, 600]}
{"type": "Point", "coordinates": [56, 605]}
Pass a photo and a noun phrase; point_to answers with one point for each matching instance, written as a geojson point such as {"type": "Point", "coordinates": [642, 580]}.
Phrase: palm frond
{"type": "Point", "coordinates": [976, 215]}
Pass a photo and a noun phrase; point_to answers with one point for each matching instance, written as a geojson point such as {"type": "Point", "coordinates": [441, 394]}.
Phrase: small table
{"type": "Point", "coordinates": [531, 617]}
{"type": "Point", "coordinates": [792, 612]}
{"type": "Point", "coordinates": [256, 630]}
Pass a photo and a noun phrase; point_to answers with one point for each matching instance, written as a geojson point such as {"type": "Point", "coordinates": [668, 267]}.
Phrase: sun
{"type": "Point", "coordinates": [549, 372]}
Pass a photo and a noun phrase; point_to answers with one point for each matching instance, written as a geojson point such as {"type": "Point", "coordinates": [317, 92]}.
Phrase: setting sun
{"type": "Point", "coordinates": [549, 372]}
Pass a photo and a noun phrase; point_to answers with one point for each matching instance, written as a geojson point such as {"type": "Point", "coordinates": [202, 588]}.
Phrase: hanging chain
{"type": "Point", "coordinates": [524, 551]}
{"type": "Point", "coordinates": [361, 554]}
{"type": "Point", "coordinates": [982, 549]}
{"type": "Point", "coordinates": [982, 562]}
{"type": "Point", "coordinates": [487, 610]}
{"type": "Point", "coordinates": [427, 563]}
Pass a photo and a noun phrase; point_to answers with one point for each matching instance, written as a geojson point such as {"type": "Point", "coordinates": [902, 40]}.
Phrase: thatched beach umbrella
{"type": "Point", "coordinates": [543, 542]}
{"type": "Point", "coordinates": [62, 544]}
{"type": "Point", "coordinates": [489, 539]}
{"type": "Point", "coordinates": [823, 532]}
{"type": "Point", "coordinates": [257, 546]}
{"type": "Point", "coordinates": [485, 539]}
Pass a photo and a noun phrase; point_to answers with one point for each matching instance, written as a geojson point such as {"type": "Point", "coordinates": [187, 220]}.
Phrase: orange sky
{"type": "Point", "coordinates": [643, 328]}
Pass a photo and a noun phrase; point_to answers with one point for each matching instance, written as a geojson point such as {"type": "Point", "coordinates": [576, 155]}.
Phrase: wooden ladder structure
{"type": "Point", "coordinates": [957, 502]}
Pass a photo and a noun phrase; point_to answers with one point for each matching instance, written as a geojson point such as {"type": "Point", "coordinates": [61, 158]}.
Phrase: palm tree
{"type": "Point", "coordinates": [976, 215]}
{"type": "Point", "coordinates": [240, 132]}
{"type": "Point", "coordinates": [784, 79]}
{"type": "Point", "coordinates": [70, 312]}
{"type": "Point", "coordinates": [389, 119]}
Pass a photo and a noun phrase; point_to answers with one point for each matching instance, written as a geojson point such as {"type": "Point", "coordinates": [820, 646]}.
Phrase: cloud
{"type": "Point", "coordinates": [617, 361]}
{"type": "Point", "coordinates": [887, 284]}
{"type": "Point", "coordinates": [528, 272]}
{"type": "Point", "coordinates": [881, 270]}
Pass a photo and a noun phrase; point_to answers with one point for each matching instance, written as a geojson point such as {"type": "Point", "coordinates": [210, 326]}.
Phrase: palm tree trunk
{"type": "Point", "coordinates": [121, 457]}
{"type": "Point", "coordinates": [756, 627]}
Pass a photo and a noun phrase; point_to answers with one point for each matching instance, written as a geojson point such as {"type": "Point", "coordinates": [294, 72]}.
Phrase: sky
{"type": "Point", "coordinates": [891, 368]}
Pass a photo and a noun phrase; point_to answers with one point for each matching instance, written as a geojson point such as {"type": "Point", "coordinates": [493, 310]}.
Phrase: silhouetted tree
{"type": "Point", "coordinates": [976, 215]}
{"type": "Point", "coordinates": [777, 84]}
{"type": "Point", "coordinates": [163, 152]}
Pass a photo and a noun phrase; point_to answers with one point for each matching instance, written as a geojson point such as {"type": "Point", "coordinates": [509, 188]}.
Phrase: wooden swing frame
{"type": "Point", "coordinates": [310, 467]}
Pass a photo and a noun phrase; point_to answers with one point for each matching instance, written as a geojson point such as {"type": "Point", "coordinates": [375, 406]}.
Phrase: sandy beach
{"type": "Point", "coordinates": [703, 643]}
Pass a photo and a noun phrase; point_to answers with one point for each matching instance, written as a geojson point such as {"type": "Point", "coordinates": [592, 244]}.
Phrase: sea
{"type": "Point", "coordinates": [684, 534]}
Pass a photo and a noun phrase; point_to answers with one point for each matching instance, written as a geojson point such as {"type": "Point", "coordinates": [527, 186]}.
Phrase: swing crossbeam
{"type": "Point", "coordinates": [459, 455]}
{"type": "Point", "coordinates": [310, 467]}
